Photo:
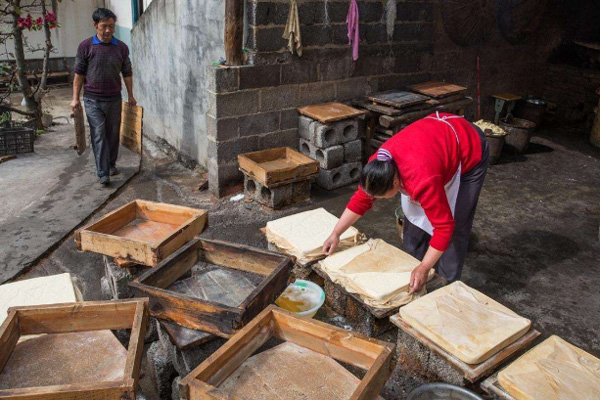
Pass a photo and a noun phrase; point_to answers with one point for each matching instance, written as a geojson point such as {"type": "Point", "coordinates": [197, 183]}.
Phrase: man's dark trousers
{"type": "Point", "coordinates": [104, 118]}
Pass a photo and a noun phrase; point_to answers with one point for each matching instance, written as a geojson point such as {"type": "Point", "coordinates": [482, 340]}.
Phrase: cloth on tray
{"type": "Point", "coordinates": [464, 322]}
{"type": "Point", "coordinates": [377, 271]}
{"type": "Point", "coordinates": [302, 235]}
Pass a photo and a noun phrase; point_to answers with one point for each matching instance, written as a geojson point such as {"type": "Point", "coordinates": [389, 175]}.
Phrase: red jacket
{"type": "Point", "coordinates": [427, 155]}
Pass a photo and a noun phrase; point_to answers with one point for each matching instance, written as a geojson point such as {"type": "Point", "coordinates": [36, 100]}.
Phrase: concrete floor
{"type": "Point", "coordinates": [535, 245]}
{"type": "Point", "coordinates": [47, 193]}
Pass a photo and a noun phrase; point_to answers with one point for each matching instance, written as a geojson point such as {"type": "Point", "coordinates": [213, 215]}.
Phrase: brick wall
{"type": "Point", "coordinates": [253, 107]}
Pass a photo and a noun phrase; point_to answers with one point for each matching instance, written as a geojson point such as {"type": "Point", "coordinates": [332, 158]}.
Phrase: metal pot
{"type": "Point", "coordinates": [519, 134]}
{"type": "Point", "coordinates": [442, 391]}
{"type": "Point", "coordinates": [531, 109]}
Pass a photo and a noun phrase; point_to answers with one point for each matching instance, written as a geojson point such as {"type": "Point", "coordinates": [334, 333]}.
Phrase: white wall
{"type": "Point", "coordinates": [75, 19]}
{"type": "Point", "coordinates": [122, 8]}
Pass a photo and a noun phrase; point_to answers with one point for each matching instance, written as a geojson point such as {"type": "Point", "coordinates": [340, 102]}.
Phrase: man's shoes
{"type": "Point", "coordinates": [113, 171]}
{"type": "Point", "coordinates": [105, 180]}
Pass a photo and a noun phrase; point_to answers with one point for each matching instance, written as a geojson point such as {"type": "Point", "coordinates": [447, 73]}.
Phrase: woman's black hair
{"type": "Point", "coordinates": [103, 13]}
{"type": "Point", "coordinates": [377, 177]}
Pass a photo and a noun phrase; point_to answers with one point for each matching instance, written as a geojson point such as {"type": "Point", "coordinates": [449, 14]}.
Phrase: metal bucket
{"type": "Point", "coordinates": [442, 391]}
{"type": "Point", "coordinates": [519, 134]}
{"type": "Point", "coordinates": [496, 143]}
{"type": "Point", "coordinates": [531, 109]}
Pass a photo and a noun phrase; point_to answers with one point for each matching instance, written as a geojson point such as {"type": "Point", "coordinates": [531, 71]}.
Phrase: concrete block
{"type": "Point", "coordinates": [222, 80]}
{"type": "Point", "coordinates": [118, 278]}
{"type": "Point", "coordinates": [418, 360]}
{"type": "Point", "coordinates": [256, 124]}
{"type": "Point", "coordinates": [353, 151]}
{"type": "Point", "coordinates": [222, 129]}
{"type": "Point", "coordinates": [283, 138]}
{"type": "Point", "coordinates": [370, 12]}
{"type": "Point", "coordinates": [355, 313]}
{"type": "Point", "coordinates": [314, 93]}
{"type": "Point", "coordinates": [329, 158]}
{"type": "Point", "coordinates": [316, 35]}
{"type": "Point", "coordinates": [186, 360]}
{"type": "Point", "coordinates": [233, 104]}
{"type": "Point", "coordinates": [353, 88]}
{"type": "Point", "coordinates": [288, 119]}
{"type": "Point", "coordinates": [161, 369]}
{"type": "Point", "coordinates": [259, 76]}
{"type": "Point", "coordinates": [327, 135]}
{"type": "Point", "coordinates": [299, 71]}
{"type": "Point", "coordinates": [306, 127]}
{"type": "Point", "coordinates": [277, 98]}
{"type": "Point", "coordinates": [376, 33]}
{"type": "Point", "coordinates": [279, 196]}
{"type": "Point", "coordinates": [339, 177]}
{"type": "Point", "coordinates": [175, 385]}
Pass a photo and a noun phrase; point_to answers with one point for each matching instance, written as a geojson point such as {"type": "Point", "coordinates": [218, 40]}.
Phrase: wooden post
{"type": "Point", "coordinates": [234, 24]}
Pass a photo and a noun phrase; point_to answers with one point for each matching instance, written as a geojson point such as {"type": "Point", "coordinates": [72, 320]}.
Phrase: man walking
{"type": "Point", "coordinates": [100, 61]}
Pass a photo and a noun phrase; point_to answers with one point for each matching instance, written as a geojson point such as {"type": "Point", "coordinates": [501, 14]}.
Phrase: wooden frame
{"type": "Point", "coordinates": [78, 317]}
{"type": "Point", "coordinates": [432, 89]}
{"type": "Point", "coordinates": [100, 237]}
{"type": "Point", "coordinates": [256, 165]}
{"type": "Point", "coordinates": [372, 355]}
{"type": "Point", "coordinates": [471, 372]}
{"type": "Point", "coordinates": [209, 316]}
{"type": "Point", "coordinates": [131, 127]}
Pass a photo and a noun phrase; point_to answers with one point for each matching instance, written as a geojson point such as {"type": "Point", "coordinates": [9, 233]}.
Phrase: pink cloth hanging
{"type": "Point", "coordinates": [353, 34]}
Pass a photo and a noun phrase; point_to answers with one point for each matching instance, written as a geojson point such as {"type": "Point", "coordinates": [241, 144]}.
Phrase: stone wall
{"type": "Point", "coordinates": [172, 43]}
{"type": "Point", "coordinates": [253, 107]}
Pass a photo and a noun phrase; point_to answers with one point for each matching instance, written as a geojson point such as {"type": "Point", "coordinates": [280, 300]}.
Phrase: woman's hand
{"type": "Point", "coordinates": [331, 243]}
{"type": "Point", "coordinates": [418, 278]}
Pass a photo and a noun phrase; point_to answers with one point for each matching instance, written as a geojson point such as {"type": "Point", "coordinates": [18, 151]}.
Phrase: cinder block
{"type": "Point", "coordinates": [418, 361]}
{"type": "Point", "coordinates": [306, 127]}
{"type": "Point", "coordinates": [331, 157]}
{"type": "Point", "coordinates": [161, 369]}
{"type": "Point", "coordinates": [339, 177]}
{"type": "Point", "coordinates": [279, 196]}
{"type": "Point", "coordinates": [353, 151]}
{"type": "Point", "coordinates": [336, 133]}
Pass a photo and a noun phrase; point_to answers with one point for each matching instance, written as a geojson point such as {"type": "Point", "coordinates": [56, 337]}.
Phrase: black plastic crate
{"type": "Point", "coordinates": [16, 140]}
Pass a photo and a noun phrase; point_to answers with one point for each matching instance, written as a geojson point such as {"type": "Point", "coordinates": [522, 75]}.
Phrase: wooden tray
{"type": "Point", "coordinates": [397, 98]}
{"type": "Point", "coordinates": [437, 89]}
{"type": "Point", "coordinates": [80, 317]}
{"type": "Point", "coordinates": [189, 301]}
{"type": "Point", "coordinates": [279, 166]}
{"type": "Point", "coordinates": [131, 127]}
{"type": "Point", "coordinates": [330, 112]}
{"type": "Point", "coordinates": [359, 351]}
{"type": "Point", "coordinates": [142, 231]}
{"type": "Point", "coordinates": [471, 372]}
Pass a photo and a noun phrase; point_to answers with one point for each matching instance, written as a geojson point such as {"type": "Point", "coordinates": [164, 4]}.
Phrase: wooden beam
{"type": "Point", "coordinates": [234, 25]}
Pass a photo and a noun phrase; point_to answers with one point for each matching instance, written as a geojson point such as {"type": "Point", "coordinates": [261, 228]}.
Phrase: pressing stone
{"type": "Point", "coordinates": [353, 151]}
{"type": "Point", "coordinates": [175, 389]}
{"type": "Point", "coordinates": [65, 358]}
{"type": "Point", "coordinates": [328, 158]}
{"type": "Point", "coordinates": [161, 369]}
{"type": "Point", "coordinates": [118, 278]}
{"type": "Point", "coordinates": [186, 360]}
{"type": "Point", "coordinates": [290, 372]}
{"type": "Point", "coordinates": [339, 177]}
{"type": "Point", "coordinates": [277, 197]}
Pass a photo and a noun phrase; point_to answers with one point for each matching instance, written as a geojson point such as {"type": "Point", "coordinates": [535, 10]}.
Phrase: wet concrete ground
{"type": "Point", "coordinates": [535, 245]}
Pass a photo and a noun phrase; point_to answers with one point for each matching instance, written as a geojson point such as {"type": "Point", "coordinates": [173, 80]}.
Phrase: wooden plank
{"type": "Point", "coordinates": [76, 317]}
{"type": "Point", "coordinates": [111, 222]}
{"type": "Point", "coordinates": [391, 122]}
{"type": "Point", "coordinates": [507, 96]}
{"type": "Point", "coordinates": [397, 98]}
{"type": "Point", "coordinates": [136, 342]}
{"type": "Point", "coordinates": [472, 372]}
{"type": "Point", "coordinates": [492, 387]}
{"type": "Point", "coordinates": [84, 391]}
{"type": "Point", "coordinates": [437, 89]}
{"type": "Point", "coordinates": [131, 127]}
{"type": "Point", "coordinates": [213, 314]}
{"type": "Point", "coordinates": [7, 158]}
{"type": "Point", "coordinates": [9, 336]}
{"type": "Point", "coordinates": [327, 113]}
{"type": "Point", "coordinates": [272, 167]}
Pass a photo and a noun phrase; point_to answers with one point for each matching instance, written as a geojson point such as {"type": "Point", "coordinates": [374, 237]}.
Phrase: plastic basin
{"type": "Point", "coordinates": [442, 391]}
{"type": "Point", "coordinates": [302, 297]}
